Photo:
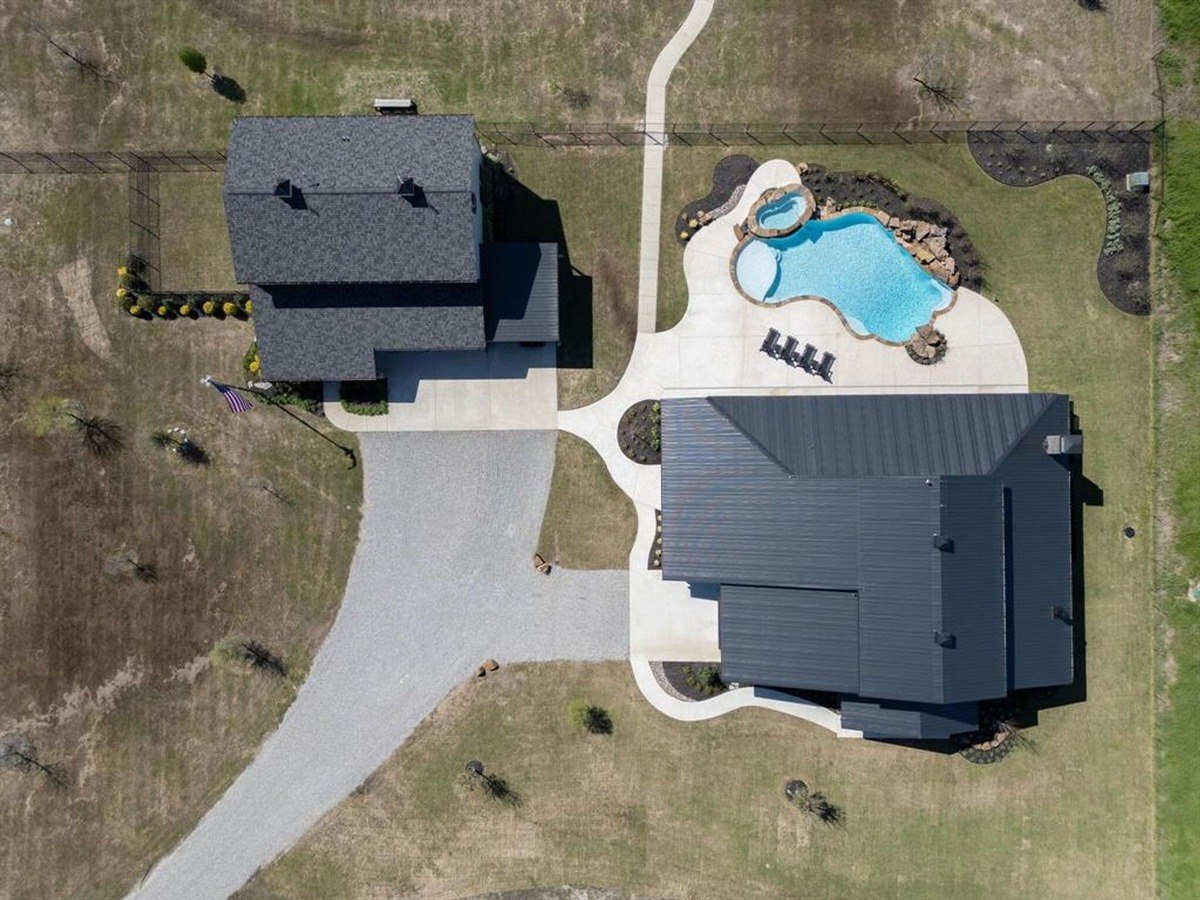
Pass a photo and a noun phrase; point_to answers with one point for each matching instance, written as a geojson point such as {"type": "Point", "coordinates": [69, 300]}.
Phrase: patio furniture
{"type": "Point", "coordinates": [789, 349]}
{"type": "Point", "coordinates": [770, 344]}
{"type": "Point", "coordinates": [805, 360]}
{"type": "Point", "coordinates": [825, 368]}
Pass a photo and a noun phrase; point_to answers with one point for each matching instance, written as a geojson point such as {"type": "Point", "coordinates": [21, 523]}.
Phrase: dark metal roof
{"type": "Point", "coordinates": [341, 216]}
{"type": "Point", "coordinates": [784, 636]}
{"type": "Point", "coordinates": [847, 493]}
{"type": "Point", "coordinates": [520, 290]}
{"type": "Point", "coordinates": [916, 721]}
{"type": "Point", "coordinates": [332, 332]}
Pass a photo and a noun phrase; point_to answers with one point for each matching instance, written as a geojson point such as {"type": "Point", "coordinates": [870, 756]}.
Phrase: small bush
{"type": "Point", "coordinates": [251, 362]}
{"type": "Point", "coordinates": [193, 59]}
{"type": "Point", "coordinates": [582, 716]}
{"type": "Point", "coordinates": [185, 310]}
{"type": "Point", "coordinates": [135, 310]}
{"type": "Point", "coordinates": [229, 308]}
{"type": "Point", "coordinates": [208, 307]}
{"type": "Point", "coordinates": [162, 311]}
{"type": "Point", "coordinates": [1113, 242]}
{"type": "Point", "coordinates": [248, 307]}
{"type": "Point", "coordinates": [705, 680]}
{"type": "Point", "coordinates": [365, 398]}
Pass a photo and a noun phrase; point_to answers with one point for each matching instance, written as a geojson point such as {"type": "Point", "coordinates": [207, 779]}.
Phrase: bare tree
{"type": "Point", "coordinates": [100, 436]}
{"type": "Point", "coordinates": [81, 62]}
{"type": "Point", "coordinates": [476, 778]}
{"type": "Point", "coordinates": [813, 804]}
{"type": "Point", "coordinates": [17, 754]}
{"type": "Point", "coordinates": [941, 84]}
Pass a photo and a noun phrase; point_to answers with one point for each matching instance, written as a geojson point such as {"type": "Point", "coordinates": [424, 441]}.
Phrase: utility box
{"type": "Point", "coordinates": [400, 106]}
{"type": "Point", "coordinates": [1137, 181]}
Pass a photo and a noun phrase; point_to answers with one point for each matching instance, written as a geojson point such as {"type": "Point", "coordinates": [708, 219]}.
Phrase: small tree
{"type": "Point", "coordinates": [582, 716]}
{"type": "Point", "coordinates": [813, 804]}
{"type": "Point", "coordinates": [938, 82]}
{"type": "Point", "coordinates": [194, 60]}
{"type": "Point", "coordinates": [477, 780]}
{"type": "Point", "coordinates": [252, 653]}
{"type": "Point", "coordinates": [101, 436]}
{"type": "Point", "coordinates": [17, 754]}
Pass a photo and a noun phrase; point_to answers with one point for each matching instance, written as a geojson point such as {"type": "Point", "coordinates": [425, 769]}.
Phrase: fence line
{"type": "Point", "coordinates": [600, 134]}
{"type": "Point", "coordinates": [144, 241]}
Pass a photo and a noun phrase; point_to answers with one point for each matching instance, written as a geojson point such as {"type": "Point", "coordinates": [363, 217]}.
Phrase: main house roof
{"type": "Point", "coordinates": [895, 548]}
{"type": "Point", "coordinates": [318, 199]}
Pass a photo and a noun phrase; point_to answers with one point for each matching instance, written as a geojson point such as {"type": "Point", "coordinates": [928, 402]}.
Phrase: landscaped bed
{"type": "Point", "coordinates": [1026, 159]}
{"type": "Point", "coordinates": [640, 432]}
{"type": "Point", "coordinates": [365, 398]}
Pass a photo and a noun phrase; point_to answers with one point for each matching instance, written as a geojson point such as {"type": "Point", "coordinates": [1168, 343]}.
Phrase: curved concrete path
{"type": "Point", "coordinates": [652, 157]}
{"type": "Point", "coordinates": [441, 580]}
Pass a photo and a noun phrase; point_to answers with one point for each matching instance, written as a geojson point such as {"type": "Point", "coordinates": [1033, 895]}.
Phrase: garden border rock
{"type": "Point", "coordinates": [731, 173]}
{"type": "Point", "coordinates": [1026, 159]}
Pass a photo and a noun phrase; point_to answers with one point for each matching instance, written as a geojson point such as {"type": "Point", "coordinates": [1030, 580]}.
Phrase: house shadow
{"type": "Point", "coordinates": [405, 371]}
{"type": "Point", "coordinates": [518, 215]}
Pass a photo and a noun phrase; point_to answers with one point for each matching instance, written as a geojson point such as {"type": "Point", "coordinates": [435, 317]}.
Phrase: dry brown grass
{"type": "Point", "coordinates": [108, 674]}
{"type": "Point", "coordinates": [589, 522]}
{"type": "Point", "coordinates": [810, 60]}
{"type": "Point", "coordinates": [503, 60]}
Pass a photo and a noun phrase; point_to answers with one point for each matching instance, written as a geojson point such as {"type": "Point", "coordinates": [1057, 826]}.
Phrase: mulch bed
{"type": "Point", "coordinates": [1029, 158]}
{"type": "Point", "coordinates": [636, 433]}
{"type": "Point", "coordinates": [871, 189]}
{"type": "Point", "coordinates": [992, 742]}
{"type": "Point", "coordinates": [677, 675]}
{"type": "Point", "coordinates": [729, 174]}
{"type": "Point", "coordinates": [654, 563]}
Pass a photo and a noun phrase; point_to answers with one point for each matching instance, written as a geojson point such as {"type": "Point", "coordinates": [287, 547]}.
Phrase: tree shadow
{"type": "Point", "coordinates": [228, 88]}
{"type": "Point", "coordinates": [517, 214]}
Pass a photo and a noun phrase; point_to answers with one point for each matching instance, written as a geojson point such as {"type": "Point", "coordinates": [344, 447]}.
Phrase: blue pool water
{"type": "Point", "coordinates": [854, 263]}
{"type": "Point", "coordinates": [782, 213]}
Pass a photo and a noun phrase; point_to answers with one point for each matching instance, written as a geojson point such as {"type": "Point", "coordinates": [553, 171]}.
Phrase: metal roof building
{"type": "Point", "coordinates": [363, 234]}
{"type": "Point", "coordinates": [911, 553]}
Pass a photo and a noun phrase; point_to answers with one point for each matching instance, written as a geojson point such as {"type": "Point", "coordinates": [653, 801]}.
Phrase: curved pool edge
{"type": "Point", "coordinates": [748, 238]}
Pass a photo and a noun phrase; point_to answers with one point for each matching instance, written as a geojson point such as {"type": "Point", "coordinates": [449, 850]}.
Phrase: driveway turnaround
{"type": "Point", "coordinates": [441, 580]}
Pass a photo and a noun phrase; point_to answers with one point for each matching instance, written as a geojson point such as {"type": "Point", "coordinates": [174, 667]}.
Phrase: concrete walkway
{"type": "Point", "coordinates": [652, 158]}
{"type": "Point", "coordinates": [441, 580]}
{"type": "Point", "coordinates": [715, 350]}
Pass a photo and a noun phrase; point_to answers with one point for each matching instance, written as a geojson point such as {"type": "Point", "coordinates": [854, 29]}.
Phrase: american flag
{"type": "Point", "coordinates": [237, 403]}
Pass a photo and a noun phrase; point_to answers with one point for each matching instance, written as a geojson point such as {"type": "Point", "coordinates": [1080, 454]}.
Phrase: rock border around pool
{"type": "Point", "coordinates": [752, 226]}
{"type": "Point", "coordinates": [880, 216]}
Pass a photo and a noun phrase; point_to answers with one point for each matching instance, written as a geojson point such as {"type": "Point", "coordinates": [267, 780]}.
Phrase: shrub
{"type": "Point", "coordinates": [185, 310]}
{"type": "Point", "coordinates": [251, 362]}
{"type": "Point", "coordinates": [582, 716]}
{"type": "Point", "coordinates": [365, 398]}
{"type": "Point", "coordinates": [163, 311]}
{"type": "Point", "coordinates": [705, 680]}
{"type": "Point", "coordinates": [193, 59]}
{"type": "Point", "coordinates": [208, 307]}
{"type": "Point", "coordinates": [1113, 243]}
{"type": "Point", "coordinates": [229, 308]}
{"type": "Point", "coordinates": [135, 310]}
{"type": "Point", "coordinates": [248, 307]}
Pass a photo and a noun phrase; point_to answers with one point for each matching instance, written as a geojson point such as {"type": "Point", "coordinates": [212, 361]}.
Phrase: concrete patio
{"type": "Point", "coordinates": [715, 350]}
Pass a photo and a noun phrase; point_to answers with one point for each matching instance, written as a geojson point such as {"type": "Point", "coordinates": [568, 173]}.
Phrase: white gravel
{"type": "Point", "coordinates": [440, 581]}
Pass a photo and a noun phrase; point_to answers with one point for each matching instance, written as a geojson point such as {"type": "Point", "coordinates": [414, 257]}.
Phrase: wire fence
{"type": "Point", "coordinates": [610, 134]}
{"type": "Point", "coordinates": [144, 241]}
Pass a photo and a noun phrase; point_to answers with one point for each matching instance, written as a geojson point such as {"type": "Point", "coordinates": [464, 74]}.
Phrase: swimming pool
{"type": "Point", "coordinates": [853, 262]}
{"type": "Point", "coordinates": [781, 214]}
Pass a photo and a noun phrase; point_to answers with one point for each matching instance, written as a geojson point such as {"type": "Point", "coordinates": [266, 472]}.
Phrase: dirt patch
{"type": "Point", "coordinates": [75, 281]}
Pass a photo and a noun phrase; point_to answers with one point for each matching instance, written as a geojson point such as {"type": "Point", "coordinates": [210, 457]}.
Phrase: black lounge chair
{"type": "Point", "coordinates": [789, 349]}
{"type": "Point", "coordinates": [770, 344]}
{"type": "Point", "coordinates": [805, 360]}
{"type": "Point", "coordinates": [825, 369]}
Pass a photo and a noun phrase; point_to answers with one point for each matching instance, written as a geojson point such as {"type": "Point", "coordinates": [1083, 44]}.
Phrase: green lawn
{"type": "Point", "coordinates": [694, 810]}
{"type": "Point", "coordinates": [1179, 426]}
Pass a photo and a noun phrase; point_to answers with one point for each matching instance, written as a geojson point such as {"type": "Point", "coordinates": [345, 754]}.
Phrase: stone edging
{"type": "Point", "coordinates": [771, 195]}
{"type": "Point", "coordinates": [660, 675]}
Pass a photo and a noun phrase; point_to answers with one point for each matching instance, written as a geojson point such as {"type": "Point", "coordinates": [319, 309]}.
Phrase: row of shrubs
{"type": "Point", "coordinates": [1113, 242]}
{"type": "Point", "coordinates": [134, 296]}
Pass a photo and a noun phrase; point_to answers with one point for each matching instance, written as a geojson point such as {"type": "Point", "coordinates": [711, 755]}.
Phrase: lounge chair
{"type": "Point", "coordinates": [805, 360]}
{"type": "Point", "coordinates": [825, 368]}
{"type": "Point", "coordinates": [770, 344]}
{"type": "Point", "coordinates": [789, 349]}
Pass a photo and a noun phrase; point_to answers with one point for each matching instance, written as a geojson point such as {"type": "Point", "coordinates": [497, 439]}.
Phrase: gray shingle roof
{"type": "Point", "coordinates": [520, 289]}
{"type": "Point", "coordinates": [909, 720]}
{"type": "Point", "coordinates": [332, 332]}
{"type": "Point", "coordinates": [846, 494]}
{"type": "Point", "coordinates": [346, 220]}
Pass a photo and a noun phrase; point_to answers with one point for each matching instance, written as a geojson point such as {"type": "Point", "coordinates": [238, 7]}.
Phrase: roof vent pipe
{"type": "Point", "coordinates": [943, 542]}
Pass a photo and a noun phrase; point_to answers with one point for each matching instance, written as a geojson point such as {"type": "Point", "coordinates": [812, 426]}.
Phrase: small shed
{"type": "Point", "coordinates": [1137, 181]}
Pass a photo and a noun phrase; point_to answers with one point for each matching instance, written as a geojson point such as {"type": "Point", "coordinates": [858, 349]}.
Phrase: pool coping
{"type": "Point", "coordinates": [745, 237]}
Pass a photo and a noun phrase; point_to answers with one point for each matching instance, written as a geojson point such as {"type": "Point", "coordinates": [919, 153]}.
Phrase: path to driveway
{"type": "Point", "coordinates": [652, 158]}
{"type": "Point", "coordinates": [440, 581]}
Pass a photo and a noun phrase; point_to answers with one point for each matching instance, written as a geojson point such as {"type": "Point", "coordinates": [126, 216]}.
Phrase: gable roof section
{"type": "Point", "coordinates": [332, 332]}
{"type": "Point", "coordinates": [846, 494]}
{"type": "Point", "coordinates": [520, 290]}
{"type": "Point", "coordinates": [345, 220]}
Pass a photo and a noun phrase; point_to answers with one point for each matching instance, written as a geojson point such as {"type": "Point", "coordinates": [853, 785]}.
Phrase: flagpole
{"type": "Point", "coordinates": [349, 451]}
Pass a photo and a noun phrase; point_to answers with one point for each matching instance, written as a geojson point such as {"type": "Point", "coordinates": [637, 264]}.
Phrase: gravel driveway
{"type": "Point", "coordinates": [441, 580]}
